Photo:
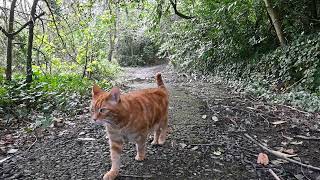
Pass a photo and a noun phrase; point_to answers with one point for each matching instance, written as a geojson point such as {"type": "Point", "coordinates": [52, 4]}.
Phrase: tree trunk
{"type": "Point", "coordinates": [314, 13]}
{"type": "Point", "coordinates": [113, 32]}
{"type": "Point", "coordinates": [30, 43]}
{"type": "Point", "coordinates": [275, 22]}
{"type": "Point", "coordinates": [9, 42]}
{"type": "Point", "coordinates": [111, 46]}
{"type": "Point", "coordinates": [86, 61]}
{"type": "Point", "coordinates": [314, 10]}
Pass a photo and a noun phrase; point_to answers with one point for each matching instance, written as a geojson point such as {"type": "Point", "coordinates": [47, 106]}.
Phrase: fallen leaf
{"type": "Point", "coordinates": [278, 122]}
{"type": "Point", "coordinates": [12, 151]}
{"type": "Point", "coordinates": [299, 176]}
{"type": "Point", "coordinates": [87, 139]}
{"type": "Point", "coordinates": [284, 143]}
{"type": "Point", "coordinates": [263, 159]}
{"type": "Point", "coordinates": [183, 145]}
{"type": "Point", "coordinates": [279, 161]}
{"type": "Point", "coordinates": [58, 122]}
{"type": "Point", "coordinates": [217, 153]}
{"type": "Point", "coordinates": [288, 151]}
{"type": "Point", "coordinates": [296, 142]}
{"type": "Point", "coordinates": [204, 116]}
{"type": "Point", "coordinates": [194, 148]}
{"type": "Point", "coordinates": [214, 118]}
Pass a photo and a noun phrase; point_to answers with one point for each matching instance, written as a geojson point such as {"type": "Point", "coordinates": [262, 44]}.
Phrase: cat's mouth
{"type": "Point", "coordinates": [105, 122]}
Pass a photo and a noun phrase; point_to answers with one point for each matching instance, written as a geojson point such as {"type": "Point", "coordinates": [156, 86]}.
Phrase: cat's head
{"type": "Point", "coordinates": [104, 106]}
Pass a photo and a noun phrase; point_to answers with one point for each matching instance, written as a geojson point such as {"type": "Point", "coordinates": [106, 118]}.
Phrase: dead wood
{"type": "Point", "coordinates": [274, 174]}
{"type": "Point", "coordinates": [281, 155]}
{"type": "Point", "coordinates": [135, 176]}
{"type": "Point", "coordinates": [312, 138]}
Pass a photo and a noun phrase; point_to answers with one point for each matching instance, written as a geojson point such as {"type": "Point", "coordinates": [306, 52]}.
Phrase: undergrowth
{"type": "Point", "coordinates": [286, 75]}
{"type": "Point", "coordinates": [47, 96]}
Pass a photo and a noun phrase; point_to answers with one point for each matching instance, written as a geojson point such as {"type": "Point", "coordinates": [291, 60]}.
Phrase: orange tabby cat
{"type": "Point", "coordinates": [131, 117]}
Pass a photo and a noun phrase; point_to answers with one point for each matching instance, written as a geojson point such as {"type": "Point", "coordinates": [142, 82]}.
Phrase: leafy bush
{"type": "Point", "coordinates": [63, 94]}
{"type": "Point", "coordinates": [296, 64]}
{"type": "Point", "coordinates": [136, 51]}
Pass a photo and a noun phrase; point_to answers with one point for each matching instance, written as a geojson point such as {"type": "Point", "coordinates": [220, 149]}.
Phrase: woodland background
{"type": "Point", "coordinates": [52, 51]}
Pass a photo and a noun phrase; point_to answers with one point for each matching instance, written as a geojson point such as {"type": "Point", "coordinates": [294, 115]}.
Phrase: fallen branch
{"type": "Point", "coordinates": [135, 176]}
{"type": "Point", "coordinates": [209, 144]}
{"type": "Point", "coordinates": [308, 138]}
{"type": "Point", "coordinates": [295, 109]}
{"type": "Point", "coordinates": [281, 155]}
{"type": "Point", "coordinates": [4, 159]}
{"type": "Point", "coordinates": [32, 143]}
{"type": "Point", "coordinates": [274, 174]}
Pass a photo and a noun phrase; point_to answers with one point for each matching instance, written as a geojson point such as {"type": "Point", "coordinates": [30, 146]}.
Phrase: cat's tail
{"type": "Point", "coordinates": [159, 80]}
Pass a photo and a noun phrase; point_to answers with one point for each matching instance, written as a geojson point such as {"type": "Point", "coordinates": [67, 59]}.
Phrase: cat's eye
{"type": "Point", "coordinates": [103, 110]}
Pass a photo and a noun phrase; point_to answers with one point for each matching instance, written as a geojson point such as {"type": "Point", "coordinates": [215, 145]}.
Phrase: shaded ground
{"type": "Point", "coordinates": [206, 140]}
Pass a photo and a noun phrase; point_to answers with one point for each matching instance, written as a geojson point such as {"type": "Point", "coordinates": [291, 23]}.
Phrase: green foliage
{"type": "Point", "coordinates": [67, 94]}
{"type": "Point", "coordinates": [296, 63]}
{"type": "Point", "coordinates": [137, 52]}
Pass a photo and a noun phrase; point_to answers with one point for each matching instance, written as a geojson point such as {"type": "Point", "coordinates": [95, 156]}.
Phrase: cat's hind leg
{"type": "Point", "coordinates": [163, 130]}
{"type": "Point", "coordinates": [156, 134]}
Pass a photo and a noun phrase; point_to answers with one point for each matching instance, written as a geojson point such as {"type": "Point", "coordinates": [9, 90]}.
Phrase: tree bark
{"type": "Point", "coordinates": [314, 14]}
{"type": "Point", "coordinates": [30, 43]}
{"type": "Point", "coordinates": [86, 61]}
{"type": "Point", "coordinates": [174, 6]}
{"type": "Point", "coordinates": [9, 42]}
{"type": "Point", "coordinates": [275, 22]}
{"type": "Point", "coordinates": [113, 32]}
{"type": "Point", "coordinates": [314, 10]}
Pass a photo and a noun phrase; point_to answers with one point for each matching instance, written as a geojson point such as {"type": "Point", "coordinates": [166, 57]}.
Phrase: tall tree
{"type": "Point", "coordinates": [30, 42]}
{"type": "Point", "coordinates": [9, 42]}
{"type": "Point", "coordinates": [113, 30]}
{"type": "Point", "coordinates": [275, 22]}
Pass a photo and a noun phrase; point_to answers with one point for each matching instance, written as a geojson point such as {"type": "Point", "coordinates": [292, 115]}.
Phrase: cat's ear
{"type": "Point", "coordinates": [96, 90]}
{"type": "Point", "coordinates": [115, 94]}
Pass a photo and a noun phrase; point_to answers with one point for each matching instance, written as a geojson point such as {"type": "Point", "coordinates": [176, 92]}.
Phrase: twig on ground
{"type": "Point", "coordinates": [308, 138]}
{"type": "Point", "coordinates": [135, 176]}
{"type": "Point", "coordinates": [232, 121]}
{"type": "Point", "coordinates": [4, 159]}
{"type": "Point", "coordinates": [295, 109]}
{"type": "Point", "coordinates": [32, 143]}
{"type": "Point", "coordinates": [193, 124]}
{"type": "Point", "coordinates": [209, 144]}
{"type": "Point", "coordinates": [287, 137]}
{"type": "Point", "coordinates": [281, 155]}
{"type": "Point", "coordinates": [274, 174]}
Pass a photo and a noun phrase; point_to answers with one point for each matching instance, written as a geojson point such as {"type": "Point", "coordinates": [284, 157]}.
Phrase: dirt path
{"type": "Point", "coordinates": [206, 139]}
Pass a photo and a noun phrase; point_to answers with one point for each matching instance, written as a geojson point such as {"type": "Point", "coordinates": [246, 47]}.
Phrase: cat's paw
{"type": "Point", "coordinates": [111, 175]}
{"type": "Point", "coordinates": [161, 141]}
{"type": "Point", "coordinates": [139, 158]}
{"type": "Point", "coordinates": [154, 142]}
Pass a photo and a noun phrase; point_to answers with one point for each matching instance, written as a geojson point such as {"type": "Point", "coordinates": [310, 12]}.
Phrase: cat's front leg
{"type": "Point", "coordinates": [140, 146]}
{"type": "Point", "coordinates": [115, 151]}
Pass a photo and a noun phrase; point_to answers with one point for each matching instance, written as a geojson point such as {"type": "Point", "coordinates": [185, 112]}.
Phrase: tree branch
{"type": "Point", "coordinates": [26, 24]}
{"type": "Point", "coordinates": [174, 5]}
{"type": "Point", "coordinates": [56, 26]}
{"type": "Point", "coordinates": [4, 31]}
